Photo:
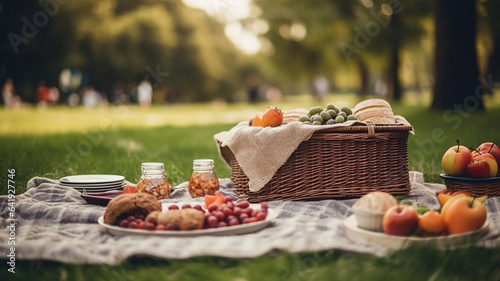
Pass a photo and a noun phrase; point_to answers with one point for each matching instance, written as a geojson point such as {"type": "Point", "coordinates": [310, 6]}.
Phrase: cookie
{"type": "Point", "coordinates": [134, 204]}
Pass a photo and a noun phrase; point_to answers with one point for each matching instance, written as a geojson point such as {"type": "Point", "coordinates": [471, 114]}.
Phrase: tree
{"type": "Point", "coordinates": [456, 63]}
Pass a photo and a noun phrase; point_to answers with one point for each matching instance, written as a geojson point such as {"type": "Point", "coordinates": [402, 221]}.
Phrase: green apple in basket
{"type": "Point", "coordinates": [456, 159]}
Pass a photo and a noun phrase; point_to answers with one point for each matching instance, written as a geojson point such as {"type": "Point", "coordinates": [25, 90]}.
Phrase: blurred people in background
{"type": "Point", "coordinates": [90, 97]}
{"type": "Point", "coordinates": [42, 94]}
{"type": "Point", "coordinates": [253, 83]}
{"type": "Point", "coordinates": [320, 87]}
{"type": "Point", "coordinates": [8, 93]}
{"type": "Point", "coordinates": [145, 93]}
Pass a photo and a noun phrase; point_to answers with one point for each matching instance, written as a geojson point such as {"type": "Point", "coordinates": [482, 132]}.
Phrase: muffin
{"type": "Point", "coordinates": [376, 111]}
{"type": "Point", "coordinates": [134, 204]}
{"type": "Point", "coordinates": [369, 210]}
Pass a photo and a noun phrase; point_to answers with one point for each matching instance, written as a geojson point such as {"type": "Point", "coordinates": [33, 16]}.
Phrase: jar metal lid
{"type": "Point", "coordinates": [203, 164]}
{"type": "Point", "coordinates": [148, 166]}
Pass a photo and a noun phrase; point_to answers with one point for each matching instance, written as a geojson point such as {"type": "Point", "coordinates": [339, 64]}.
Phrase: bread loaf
{"type": "Point", "coordinates": [293, 115]}
{"type": "Point", "coordinates": [375, 111]}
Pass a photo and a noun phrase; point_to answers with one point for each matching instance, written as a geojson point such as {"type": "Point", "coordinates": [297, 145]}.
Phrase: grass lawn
{"type": "Point", "coordinates": [60, 141]}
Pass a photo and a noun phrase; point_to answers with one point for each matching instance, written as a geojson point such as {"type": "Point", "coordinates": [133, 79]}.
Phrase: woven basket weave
{"type": "Point", "coordinates": [477, 187]}
{"type": "Point", "coordinates": [339, 162]}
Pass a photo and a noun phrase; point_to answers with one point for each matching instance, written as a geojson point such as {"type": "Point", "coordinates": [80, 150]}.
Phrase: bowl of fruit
{"type": "Point", "coordinates": [472, 170]}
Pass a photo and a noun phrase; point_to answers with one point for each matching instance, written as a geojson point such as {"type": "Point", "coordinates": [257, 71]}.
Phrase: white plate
{"type": "Point", "coordinates": [223, 231]}
{"type": "Point", "coordinates": [98, 191]}
{"type": "Point", "coordinates": [94, 187]}
{"type": "Point", "coordinates": [92, 179]}
{"type": "Point", "coordinates": [359, 235]}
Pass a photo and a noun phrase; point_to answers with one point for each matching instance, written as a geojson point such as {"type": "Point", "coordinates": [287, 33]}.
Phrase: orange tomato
{"type": "Point", "coordinates": [257, 120]}
{"type": "Point", "coordinates": [273, 117]}
{"type": "Point", "coordinates": [129, 189]}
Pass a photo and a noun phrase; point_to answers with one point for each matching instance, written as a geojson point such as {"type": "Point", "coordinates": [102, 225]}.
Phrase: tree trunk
{"type": "Point", "coordinates": [394, 91]}
{"type": "Point", "coordinates": [493, 65]}
{"type": "Point", "coordinates": [456, 69]}
{"type": "Point", "coordinates": [364, 88]}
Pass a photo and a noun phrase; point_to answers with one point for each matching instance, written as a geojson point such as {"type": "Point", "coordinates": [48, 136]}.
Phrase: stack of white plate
{"type": "Point", "coordinates": [94, 183]}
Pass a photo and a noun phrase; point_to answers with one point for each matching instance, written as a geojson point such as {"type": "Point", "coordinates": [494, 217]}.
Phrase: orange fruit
{"type": "Point", "coordinates": [129, 189]}
{"type": "Point", "coordinates": [431, 224]}
{"type": "Point", "coordinates": [209, 199]}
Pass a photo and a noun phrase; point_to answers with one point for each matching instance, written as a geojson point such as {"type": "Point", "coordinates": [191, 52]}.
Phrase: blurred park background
{"type": "Point", "coordinates": [439, 53]}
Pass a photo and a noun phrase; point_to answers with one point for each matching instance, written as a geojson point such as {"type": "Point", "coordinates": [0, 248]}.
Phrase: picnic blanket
{"type": "Point", "coordinates": [53, 222]}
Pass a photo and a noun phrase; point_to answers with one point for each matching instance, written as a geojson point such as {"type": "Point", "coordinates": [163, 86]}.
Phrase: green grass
{"type": "Point", "coordinates": [60, 141]}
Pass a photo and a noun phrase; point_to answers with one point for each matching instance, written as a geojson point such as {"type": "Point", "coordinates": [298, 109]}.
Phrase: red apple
{"type": "Point", "coordinates": [400, 220]}
{"type": "Point", "coordinates": [488, 147]}
{"type": "Point", "coordinates": [455, 160]}
{"type": "Point", "coordinates": [482, 166]}
{"type": "Point", "coordinates": [464, 215]}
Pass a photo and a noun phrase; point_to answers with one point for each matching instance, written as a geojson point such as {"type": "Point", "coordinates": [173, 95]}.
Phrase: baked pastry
{"type": "Point", "coordinates": [293, 115]}
{"type": "Point", "coordinates": [184, 219]}
{"type": "Point", "coordinates": [376, 201]}
{"type": "Point", "coordinates": [134, 204]}
{"type": "Point", "coordinates": [375, 111]}
{"type": "Point", "coordinates": [370, 209]}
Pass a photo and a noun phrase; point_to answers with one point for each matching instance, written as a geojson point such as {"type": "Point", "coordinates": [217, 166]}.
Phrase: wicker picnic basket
{"type": "Point", "coordinates": [339, 162]}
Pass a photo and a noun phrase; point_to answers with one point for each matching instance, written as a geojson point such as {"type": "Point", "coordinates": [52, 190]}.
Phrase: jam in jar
{"type": "Point", "coordinates": [203, 180]}
{"type": "Point", "coordinates": [153, 180]}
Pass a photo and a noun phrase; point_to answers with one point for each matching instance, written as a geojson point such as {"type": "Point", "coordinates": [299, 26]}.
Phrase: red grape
{"type": "Point", "coordinates": [199, 208]}
{"type": "Point", "coordinates": [222, 224]}
{"type": "Point", "coordinates": [173, 207]}
{"type": "Point", "coordinates": [124, 223]}
{"type": "Point", "coordinates": [140, 217]}
{"type": "Point", "coordinates": [243, 216]}
{"type": "Point", "coordinates": [149, 226]}
{"type": "Point", "coordinates": [260, 216]}
{"type": "Point", "coordinates": [212, 207]}
{"type": "Point", "coordinates": [243, 204]}
{"type": "Point", "coordinates": [161, 227]}
{"type": "Point", "coordinates": [249, 220]}
{"type": "Point", "coordinates": [228, 199]}
{"type": "Point", "coordinates": [140, 223]}
{"type": "Point", "coordinates": [132, 224]}
{"type": "Point", "coordinates": [237, 211]}
{"type": "Point", "coordinates": [233, 221]}
{"type": "Point", "coordinates": [212, 221]}
{"type": "Point", "coordinates": [131, 218]}
{"type": "Point", "coordinates": [227, 211]}
{"type": "Point", "coordinates": [151, 220]}
{"type": "Point", "coordinates": [219, 215]}
{"type": "Point", "coordinates": [186, 206]}
{"type": "Point", "coordinates": [171, 226]}
{"type": "Point", "coordinates": [264, 206]}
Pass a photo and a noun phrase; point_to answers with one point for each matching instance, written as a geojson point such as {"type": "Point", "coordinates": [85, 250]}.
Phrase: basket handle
{"type": "Point", "coordinates": [371, 130]}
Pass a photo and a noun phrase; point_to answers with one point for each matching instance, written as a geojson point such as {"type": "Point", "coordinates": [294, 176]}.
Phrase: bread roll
{"type": "Point", "coordinates": [184, 219]}
{"type": "Point", "coordinates": [375, 111]}
{"type": "Point", "coordinates": [376, 201]}
{"type": "Point", "coordinates": [293, 115]}
{"type": "Point", "coordinates": [130, 204]}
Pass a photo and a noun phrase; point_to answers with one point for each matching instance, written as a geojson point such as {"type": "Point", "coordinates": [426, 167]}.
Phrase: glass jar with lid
{"type": "Point", "coordinates": [203, 180]}
{"type": "Point", "coordinates": [153, 180]}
